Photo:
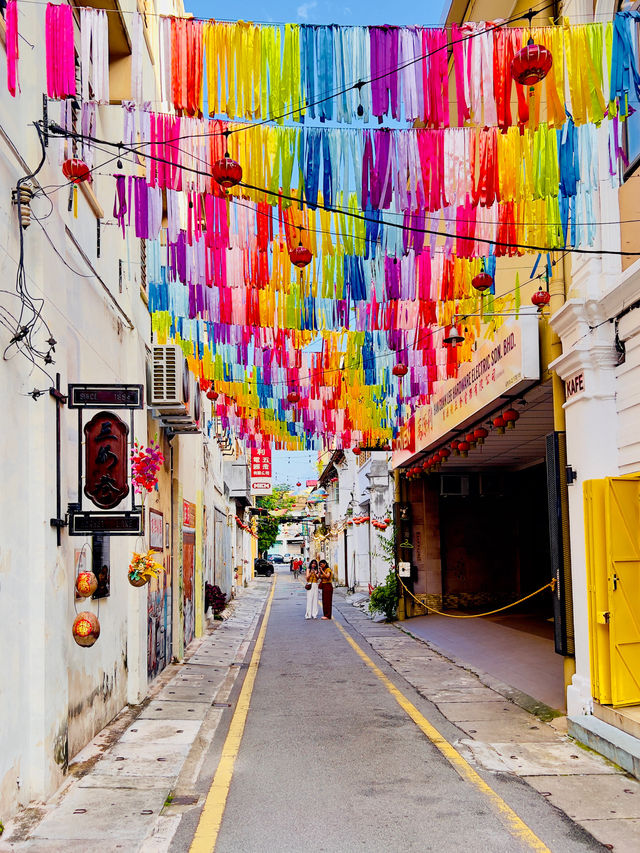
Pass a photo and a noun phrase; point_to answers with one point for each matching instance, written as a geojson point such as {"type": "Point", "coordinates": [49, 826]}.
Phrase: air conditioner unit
{"type": "Point", "coordinates": [454, 485]}
{"type": "Point", "coordinates": [189, 421]}
{"type": "Point", "coordinates": [170, 383]}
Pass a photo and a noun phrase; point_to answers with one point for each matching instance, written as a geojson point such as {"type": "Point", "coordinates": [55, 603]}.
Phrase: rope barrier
{"type": "Point", "coordinates": [551, 584]}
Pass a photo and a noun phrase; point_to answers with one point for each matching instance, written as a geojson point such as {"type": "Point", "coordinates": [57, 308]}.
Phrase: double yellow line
{"type": "Point", "coordinates": [210, 821]}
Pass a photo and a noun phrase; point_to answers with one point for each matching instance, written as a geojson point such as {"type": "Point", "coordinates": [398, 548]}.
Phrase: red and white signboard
{"type": "Point", "coordinates": [261, 471]}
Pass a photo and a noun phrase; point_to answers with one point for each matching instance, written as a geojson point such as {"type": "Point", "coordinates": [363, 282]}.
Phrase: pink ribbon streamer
{"type": "Point", "coordinates": [11, 18]}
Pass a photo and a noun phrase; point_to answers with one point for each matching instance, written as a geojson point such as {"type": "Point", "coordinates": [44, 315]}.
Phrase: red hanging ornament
{"type": "Point", "coordinates": [541, 298]}
{"type": "Point", "coordinates": [482, 281]}
{"type": "Point", "coordinates": [480, 434]}
{"type": "Point", "coordinates": [293, 397]}
{"type": "Point", "coordinates": [86, 628]}
{"type": "Point", "coordinates": [471, 438]}
{"type": "Point", "coordinates": [399, 369]}
{"type": "Point", "coordinates": [499, 424]}
{"type": "Point", "coordinates": [531, 64]}
{"type": "Point", "coordinates": [444, 453]}
{"type": "Point", "coordinates": [511, 416]}
{"type": "Point", "coordinates": [227, 172]}
{"type": "Point", "coordinates": [86, 584]}
{"type": "Point", "coordinates": [298, 484]}
{"type": "Point", "coordinates": [455, 446]}
{"type": "Point", "coordinates": [464, 447]}
{"type": "Point", "coordinates": [212, 395]}
{"type": "Point", "coordinates": [356, 451]}
{"type": "Point", "coordinates": [76, 171]}
{"type": "Point", "coordinates": [300, 256]}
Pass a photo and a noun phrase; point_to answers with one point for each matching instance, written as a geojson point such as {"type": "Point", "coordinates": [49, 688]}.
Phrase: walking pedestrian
{"type": "Point", "coordinates": [312, 590]}
{"type": "Point", "coordinates": [326, 585]}
{"type": "Point", "coordinates": [297, 566]}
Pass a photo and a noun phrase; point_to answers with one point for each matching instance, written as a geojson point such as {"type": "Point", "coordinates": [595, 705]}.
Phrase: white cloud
{"type": "Point", "coordinates": [304, 9]}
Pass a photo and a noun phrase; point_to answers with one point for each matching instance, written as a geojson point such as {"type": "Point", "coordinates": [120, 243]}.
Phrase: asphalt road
{"type": "Point", "coordinates": [329, 761]}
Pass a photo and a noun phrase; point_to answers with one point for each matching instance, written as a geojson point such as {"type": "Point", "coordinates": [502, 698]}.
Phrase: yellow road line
{"type": "Point", "coordinates": [516, 826]}
{"type": "Point", "coordinates": [204, 841]}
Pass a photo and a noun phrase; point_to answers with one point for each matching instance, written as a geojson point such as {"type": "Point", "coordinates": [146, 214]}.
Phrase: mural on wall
{"type": "Point", "coordinates": [188, 567]}
{"type": "Point", "coordinates": [159, 621]}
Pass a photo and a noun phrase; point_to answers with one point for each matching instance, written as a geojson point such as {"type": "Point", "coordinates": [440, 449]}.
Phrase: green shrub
{"type": "Point", "coordinates": [384, 598]}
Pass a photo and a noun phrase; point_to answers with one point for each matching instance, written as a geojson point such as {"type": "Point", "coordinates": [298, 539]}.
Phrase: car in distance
{"type": "Point", "coordinates": [287, 558]}
{"type": "Point", "coordinates": [276, 558]}
{"type": "Point", "coordinates": [262, 567]}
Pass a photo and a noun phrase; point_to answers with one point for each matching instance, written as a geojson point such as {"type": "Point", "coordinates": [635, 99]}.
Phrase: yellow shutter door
{"type": "Point", "coordinates": [622, 511]}
{"type": "Point", "coordinates": [597, 590]}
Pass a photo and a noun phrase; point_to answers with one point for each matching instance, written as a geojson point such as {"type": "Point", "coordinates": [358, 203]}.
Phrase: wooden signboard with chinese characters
{"type": "Point", "coordinates": [106, 460]}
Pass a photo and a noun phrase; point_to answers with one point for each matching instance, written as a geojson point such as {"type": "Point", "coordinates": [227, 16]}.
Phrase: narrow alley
{"type": "Point", "coordinates": [357, 737]}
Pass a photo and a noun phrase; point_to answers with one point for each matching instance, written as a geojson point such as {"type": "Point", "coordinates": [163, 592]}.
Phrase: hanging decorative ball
{"type": "Point", "coordinates": [499, 424]}
{"type": "Point", "coordinates": [480, 434]}
{"type": "Point", "coordinates": [471, 438]}
{"type": "Point", "coordinates": [293, 397]}
{"type": "Point", "coordinates": [350, 523]}
{"type": "Point", "coordinates": [86, 584]}
{"type": "Point", "coordinates": [227, 172]}
{"type": "Point", "coordinates": [464, 447]}
{"type": "Point", "coordinates": [455, 446]}
{"type": "Point", "coordinates": [531, 64]}
{"type": "Point", "coordinates": [541, 298]}
{"type": "Point", "coordinates": [426, 465]}
{"type": "Point", "coordinates": [482, 281]}
{"type": "Point", "coordinates": [298, 484]}
{"type": "Point", "coordinates": [444, 453]}
{"type": "Point", "coordinates": [511, 416]}
{"type": "Point", "coordinates": [399, 369]}
{"type": "Point", "coordinates": [300, 256]}
{"type": "Point", "coordinates": [86, 628]}
{"type": "Point", "coordinates": [212, 395]}
{"type": "Point", "coordinates": [356, 451]}
{"type": "Point", "coordinates": [76, 171]}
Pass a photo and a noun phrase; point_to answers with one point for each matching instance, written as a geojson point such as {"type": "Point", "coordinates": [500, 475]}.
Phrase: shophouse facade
{"type": "Point", "coordinates": [77, 273]}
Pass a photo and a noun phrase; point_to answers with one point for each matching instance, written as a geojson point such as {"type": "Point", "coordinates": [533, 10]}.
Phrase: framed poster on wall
{"type": "Point", "coordinates": [156, 530]}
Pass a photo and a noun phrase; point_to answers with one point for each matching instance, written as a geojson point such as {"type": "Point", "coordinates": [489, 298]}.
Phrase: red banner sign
{"type": "Point", "coordinates": [188, 514]}
{"type": "Point", "coordinates": [106, 460]}
{"type": "Point", "coordinates": [261, 463]}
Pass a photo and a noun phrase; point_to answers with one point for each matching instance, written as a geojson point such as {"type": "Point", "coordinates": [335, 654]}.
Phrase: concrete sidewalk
{"type": "Point", "coordinates": [499, 735]}
{"type": "Point", "coordinates": [119, 784]}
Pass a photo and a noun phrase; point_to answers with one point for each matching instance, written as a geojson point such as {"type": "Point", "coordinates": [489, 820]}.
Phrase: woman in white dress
{"type": "Point", "coordinates": [312, 590]}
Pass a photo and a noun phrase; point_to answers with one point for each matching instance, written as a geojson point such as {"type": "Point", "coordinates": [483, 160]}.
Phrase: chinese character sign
{"type": "Point", "coordinates": [106, 460]}
{"type": "Point", "coordinates": [261, 471]}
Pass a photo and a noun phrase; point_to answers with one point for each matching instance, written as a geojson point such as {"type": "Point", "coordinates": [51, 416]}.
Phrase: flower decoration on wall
{"type": "Point", "coordinates": [142, 568]}
{"type": "Point", "coordinates": [145, 464]}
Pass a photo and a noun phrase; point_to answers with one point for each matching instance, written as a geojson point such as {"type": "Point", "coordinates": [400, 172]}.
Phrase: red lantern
{"type": "Point", "coordinates": [426, 465]}
{"type": "Point", "coordinates": [356, 451]}
{"type": "Point", "coordinates": [482, 281]}
{"type": "Point", "coordinates": [300, 256]}
{"type": "Point", "coordinates": [499, 424]}
{"type": "Point", "coordinates": [293, 397]}
{"type": "Point", "coordinates": [444, 453]}
{"type": "Point", "coordinates": [387, 520]}
{"type": "Point", "coordinates": [86, 584]}
{"type": "Point", "coordinates": [298, 484]}
{"type": "Point", "coordinates": [455, 446]}
{"type": "Point", "coordinates": [531, 64]}
{"type": "Point", "coordinates": [471, 438]}
{"type": "Point", "coordinates": [76, 171]}
{"type": "Point", "coordinates": [86, 628]}
{"type": "Point", "coordinates": [350, 523]}
{"type": "Point", "coordinates": [541, 298]}
{"type": "Point", "coordinates": [511, 416]}
{"type": "Point", "coordinates": [399, 369]}
{"type": "Point", "coordinates": [464, 447]}
{"type": "Point", "coordinates": [212, 395]}
{"type": "Point", "coordinates": [480, 434]}
{"type": "Point", "coordinates": [227, 172]}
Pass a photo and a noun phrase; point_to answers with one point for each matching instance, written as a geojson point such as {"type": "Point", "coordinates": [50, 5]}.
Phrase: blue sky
{"type": "Point", "coordinates": [322, 11]}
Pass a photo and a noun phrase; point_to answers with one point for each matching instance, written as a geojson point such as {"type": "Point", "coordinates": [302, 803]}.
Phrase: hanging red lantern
{"type": "Point", "coordinates": [399, 369]}
{"type": "Point", "coordinates": [480, 434]}
{"type": "Point", "coordinates": [541, 298]}
{"type": "Point", "coordinates": [531, 64]}
{"type": "Point", "coordinates": [464, 447]}
{"type": "Point", "coordinates": [356, 451]}
{"type": "Point", "coordinates": [350, 523]}
{"type": "Point", "coordinates": [86, 628]}
{"type": "Point", "coordinates": [511, 416]}
{"type": "Point", "coordinates": [293, 397]}
{"type": "Point", "coordinates": [471, 438]}
{"type": "Point", "coordinates": [455, 446]}
{"type": "Point", "coordinates": [86, 584]}
{"type": "Point", "coordinates": [444, 453]}
{"type": "Point", "coordinates": [76, 171]}
{"type": "Point", "coordinates": [482, 281]}
{"type": "Point", "coordinates": [300, 256]}
{"type": "Point", "coordinates": [298, 484]}
{"type": "Point", "coordinates": [227, 172]}
{"type": "Point", "coordinates": [499, 424]}
{"type": "Point", "coordinates": [426, 465]}
{"type": "Point", "coordinates": [212, 395]}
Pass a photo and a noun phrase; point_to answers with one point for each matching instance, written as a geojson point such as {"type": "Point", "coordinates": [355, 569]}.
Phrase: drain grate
{"type": "Point", "coordinates": [221, 704]}
{"type": "Point", "coordinates": [184, 800]}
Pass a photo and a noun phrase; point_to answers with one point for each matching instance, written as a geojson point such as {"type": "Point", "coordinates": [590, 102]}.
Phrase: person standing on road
{"type": "Point", "coordinates": [297, 565]}
{"type": "Point", "coordinates": [312, 590]}
{"type": "Point", "coordinates": [326, 585]}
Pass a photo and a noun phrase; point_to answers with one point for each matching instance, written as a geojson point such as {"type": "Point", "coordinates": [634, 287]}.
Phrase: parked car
{"type": "Point", "coordinates": [262, 567]}
{"type": "Point", "coordinates": [276, 558]}
{"type": "Point", "coordinates": [287, 558]}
